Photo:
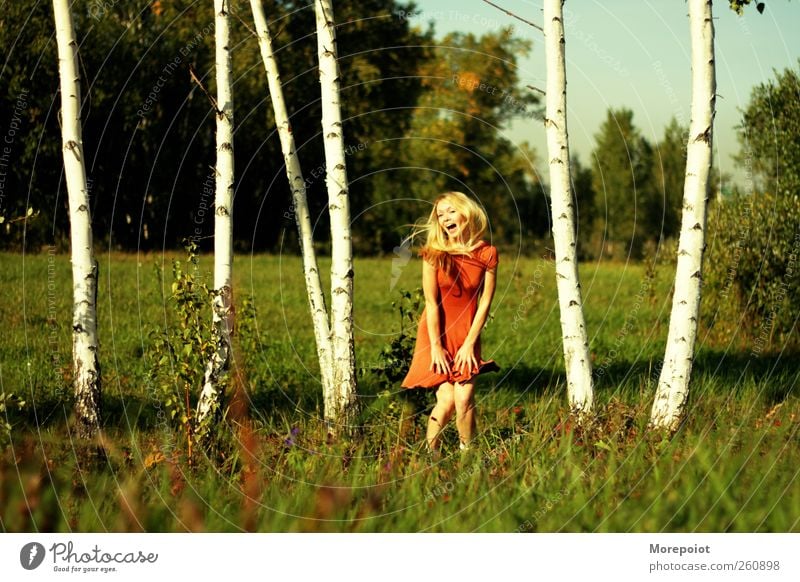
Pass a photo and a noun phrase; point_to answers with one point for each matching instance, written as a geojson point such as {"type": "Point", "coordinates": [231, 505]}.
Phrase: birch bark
{"type": "Point", "coordinates": [340, 404]}
{"type": "Point", "coordinates": [294, 173]}
{"type": "Point", "coordinates": [86, 365]}
{"type": "Point", "coordinates": [673, 383]}
{"type": "Point", "coordinates": [573, 328]}
{"type": "Point", "coordinates": [216, 368]}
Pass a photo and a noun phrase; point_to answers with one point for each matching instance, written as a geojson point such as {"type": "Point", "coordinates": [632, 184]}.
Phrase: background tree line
{"type": "Point", "coordinates": [423, 114]}
{"type": "Point", "coordinates": [149, 131]}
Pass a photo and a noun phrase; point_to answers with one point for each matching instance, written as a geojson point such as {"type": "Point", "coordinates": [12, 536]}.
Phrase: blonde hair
{"type": "Point", "coordinates": [438, 245]}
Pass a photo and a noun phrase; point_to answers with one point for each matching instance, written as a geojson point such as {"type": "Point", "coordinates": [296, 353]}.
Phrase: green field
{"type": "Point", "coordinates": [732, 466]}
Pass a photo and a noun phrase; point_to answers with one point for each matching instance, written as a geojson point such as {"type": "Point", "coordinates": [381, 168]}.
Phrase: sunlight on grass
{"type": "Point", "coordinates": [732, 467]}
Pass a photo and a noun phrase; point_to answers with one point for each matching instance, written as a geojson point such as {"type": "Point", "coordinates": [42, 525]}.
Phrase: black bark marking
{"type": "Point", "coordinates": [704, 136]}
{"type": "Point", "coordinates": [74, 148]}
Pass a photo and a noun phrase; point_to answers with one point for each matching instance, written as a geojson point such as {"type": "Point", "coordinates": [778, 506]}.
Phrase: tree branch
{"type": "Point", "coordinates": [254, 32]}
{"type": "Point", "coordinates": [536, 26]}
{"type": "Point", "coordinates": [203, 89]}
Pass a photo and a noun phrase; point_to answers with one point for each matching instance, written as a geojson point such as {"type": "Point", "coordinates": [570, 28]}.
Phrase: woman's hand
{"type": "Point", "coordinates": [440, 360]}
{"type": "Point", "coordinates": [465, 360]}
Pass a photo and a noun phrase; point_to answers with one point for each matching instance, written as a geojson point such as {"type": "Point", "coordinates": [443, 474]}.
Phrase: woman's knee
{"type": "Point", "coordinates": [444, 397]}
{"type": "Point", "coordinates": [464, 398]}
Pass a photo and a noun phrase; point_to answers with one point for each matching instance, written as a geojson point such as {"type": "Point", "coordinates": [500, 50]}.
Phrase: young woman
{"type": "Point", "coordinates": [458, 279]}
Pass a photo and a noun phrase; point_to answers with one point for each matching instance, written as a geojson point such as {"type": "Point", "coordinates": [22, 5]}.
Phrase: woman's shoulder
{"type": "Point", "coordinates": [484, 248]}
{"type": "Point", "coordinates": [486, 253]}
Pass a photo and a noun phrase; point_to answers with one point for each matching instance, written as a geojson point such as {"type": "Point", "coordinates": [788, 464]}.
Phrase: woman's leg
{"type": "Point", "coordinates": [464, 395]}
{"type": "Point", "coordinates": [441, 415]}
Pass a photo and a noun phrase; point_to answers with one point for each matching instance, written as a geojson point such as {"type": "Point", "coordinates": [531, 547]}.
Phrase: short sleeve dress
{"type": "Point", "coordinates": [458, 303]}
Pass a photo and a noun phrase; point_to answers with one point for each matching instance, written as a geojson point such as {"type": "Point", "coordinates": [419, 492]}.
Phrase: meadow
{"type": "Point", "coordinates": [733, 465]}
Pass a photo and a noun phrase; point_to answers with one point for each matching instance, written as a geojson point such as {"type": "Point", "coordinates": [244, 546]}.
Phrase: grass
{"type": "Point", "coordinates": [730, 468]}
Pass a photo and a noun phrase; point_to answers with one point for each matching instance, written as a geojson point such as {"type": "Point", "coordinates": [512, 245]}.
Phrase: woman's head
{"type": "Point", "coordinates": [456, 223]}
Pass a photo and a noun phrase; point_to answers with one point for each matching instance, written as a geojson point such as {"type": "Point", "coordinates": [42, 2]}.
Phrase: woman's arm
{"type": "Point", "coordinates": [465, 359]}
{"type": "Point", "coordinates": [440, 359]}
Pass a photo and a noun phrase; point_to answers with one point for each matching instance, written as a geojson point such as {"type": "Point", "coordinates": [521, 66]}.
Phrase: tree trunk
{"type": "Point", "coordinates": [212, 392]}
{"type": "Point", "coordinates": [673, 384]}
{"type": "Point", "coordinates": [86, 366]}
{"type": "Point", "coordinates": [341, 403]}
{"type": "Point", "coordinates": [316, 299]}
{"type": "Point", "coordinates": [573, 329]}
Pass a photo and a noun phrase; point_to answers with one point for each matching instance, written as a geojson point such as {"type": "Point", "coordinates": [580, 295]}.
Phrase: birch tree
{"type": "Point", "coordinates": [673, 383]}
{"type": "Point", "coordinates": [86, 366]}
{"type": "Point", "coordinates": [573, 328]}
{"type": "Point", "coordinates": [219, 363]}
{"type": "Point", "coordinates": [340, 402]}
{"type": "Point", "coordinates": [294, 173]}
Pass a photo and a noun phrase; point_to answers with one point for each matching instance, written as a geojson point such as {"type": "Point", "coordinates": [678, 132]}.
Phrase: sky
{"type": "Point", "coordinates": [636, 54]}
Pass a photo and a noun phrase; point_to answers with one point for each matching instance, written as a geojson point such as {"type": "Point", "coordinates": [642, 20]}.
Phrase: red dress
{"type": "Point", "coordinates": [458, 303]}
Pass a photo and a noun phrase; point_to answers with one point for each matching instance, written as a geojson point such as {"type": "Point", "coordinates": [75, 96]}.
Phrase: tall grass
{"type": "Point", "coordinates": [732, 466]}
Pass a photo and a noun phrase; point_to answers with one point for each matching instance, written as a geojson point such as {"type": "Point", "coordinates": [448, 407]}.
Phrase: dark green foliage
{"type": "Point", "coordinates": [770, 136]}
{"type": "Point", "coordinates": [752, 287]}
{"type": "Point", "coordinates": [752, 271]}
{"type": "Point", "coordinates": [394, 358]}
{"type": "Point", "coordinates": [738, 6]}
{"type": "Point", "coordinates": [470, 92]}
{"type": "Point", "coordinates": [622, 179]}
{"type": "Point", "coordinates": [178, 352]}
{"type": "Point", "coordinates": [148, 129]}
{"type": "Point", "coordinates": [669, 168]}
{"type": "Point", "coordinates": [586, 213]}
{"type": "Point", "coordinates": [396, 405]}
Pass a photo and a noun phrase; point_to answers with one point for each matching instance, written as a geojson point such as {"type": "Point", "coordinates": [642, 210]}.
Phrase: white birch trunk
{"type": "Point", "coordinates": [340, 405]}
{"type": "Point", "coordinates": [573, 329]}
{"type": "Point", "coordinates": [217, 367]}
{"type": "Point", "coordinates": [316, 299]}
{"type": "Point", "coordinates": [86, 366]}
{"type": "Point", "coordinates": [673, 384]}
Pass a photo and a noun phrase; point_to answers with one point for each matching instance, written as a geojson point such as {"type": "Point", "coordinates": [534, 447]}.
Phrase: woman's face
{"type": "Point", "coordinates": [451, 220]}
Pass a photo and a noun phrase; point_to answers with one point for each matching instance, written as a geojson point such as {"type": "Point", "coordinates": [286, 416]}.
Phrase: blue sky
{"type": "Point", "coordinates": [635, 54]}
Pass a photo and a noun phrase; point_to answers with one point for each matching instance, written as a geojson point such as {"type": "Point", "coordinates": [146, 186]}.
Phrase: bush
{"type": "Point", "coordinates": [751, 271]}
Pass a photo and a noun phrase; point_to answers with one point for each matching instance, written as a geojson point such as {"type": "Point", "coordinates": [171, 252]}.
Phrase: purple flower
{"type": "Point", "coordinates": [289, 442]}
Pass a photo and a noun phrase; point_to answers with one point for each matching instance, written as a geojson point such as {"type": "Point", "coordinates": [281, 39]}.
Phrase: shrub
{"type": "Point", "coordinates": [751, 280]}
{"type": "Point", "coordinates": [179, 350]}
{"type": "Point", "coordinates": [398, 405]}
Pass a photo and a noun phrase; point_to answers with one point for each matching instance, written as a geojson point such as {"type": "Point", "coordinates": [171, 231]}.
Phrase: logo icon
{"type": "Point", "coordinates": [31, 555]}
